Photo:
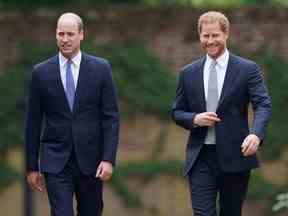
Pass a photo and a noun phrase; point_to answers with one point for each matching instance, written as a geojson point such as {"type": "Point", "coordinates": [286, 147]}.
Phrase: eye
{"type": "Point", "coordinates": [61, 34]}
{"type": "Point", "coordinates": [205, 35]}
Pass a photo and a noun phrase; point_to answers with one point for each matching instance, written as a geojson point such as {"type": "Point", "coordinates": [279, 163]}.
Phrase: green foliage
{"type": "Point", "coordinates": [144, 84]}
{"type": "Point", "coordinates": [259, 187]}
{"type": "Point", "coordinates": [11, 115]}
{"type": "Point", "coordinates": [147, 170]}
{"type": "Point", "coordinates": [277, 79]}
{"type": "Point", "coordinates": [150, 168]}
{"type": "Point", "coordinates": [7, 175]}
{"type": "Point", "coordinates": [13, 88]}
{"type": "Point", "coordinates": [120, 187]}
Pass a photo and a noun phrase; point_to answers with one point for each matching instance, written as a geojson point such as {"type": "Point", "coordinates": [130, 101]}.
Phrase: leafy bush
{"type": "Point", "coordinates": [259, 187]}
{"type": "Point", "coordinates": [7, 175]}
{"type": "Point", "coordinates": [144, 85]}
{"type": "Point", "coordinates": [277, 79]}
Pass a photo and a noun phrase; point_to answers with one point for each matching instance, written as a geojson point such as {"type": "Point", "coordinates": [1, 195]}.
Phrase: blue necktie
{"type": "Point", "coordinates": [70, 86]}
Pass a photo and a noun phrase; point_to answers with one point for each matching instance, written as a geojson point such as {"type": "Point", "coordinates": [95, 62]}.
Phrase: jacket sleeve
{"type": "Point", "coordinates": [260, 100]}
{"type": "Point", "coordinates": [33, 124]}
{"type": "Point", "coordinates": [180, 111]}
{"type": "Point", "coordinates": [110, 117]}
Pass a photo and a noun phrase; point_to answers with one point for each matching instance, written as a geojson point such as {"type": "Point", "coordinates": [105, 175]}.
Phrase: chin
{"type": "Point", "coordinates": [66, 54]}
{"type": "Point", "coordinates": [212, 55]}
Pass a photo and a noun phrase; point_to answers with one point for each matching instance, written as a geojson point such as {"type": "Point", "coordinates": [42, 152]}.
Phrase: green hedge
{"type": "Point", "coordinates": [144, 84]}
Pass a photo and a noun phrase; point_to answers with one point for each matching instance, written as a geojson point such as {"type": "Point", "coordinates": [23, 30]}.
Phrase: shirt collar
{"type": "Point", "coordinates": [222, 60]}
{"type": "Point", "coordinates": [75, 60]}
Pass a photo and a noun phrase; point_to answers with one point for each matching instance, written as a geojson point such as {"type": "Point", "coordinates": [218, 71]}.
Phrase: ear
{"type": "Point", "coordinates": [81, 35]}
{"type": "Point", "coordinates": [226, 35]}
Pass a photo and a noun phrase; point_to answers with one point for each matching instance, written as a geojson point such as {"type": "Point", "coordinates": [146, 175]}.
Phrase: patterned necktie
{"type": "Point", "coordinates": [212, 100]}
{"type": "Point", "coordinates": [70, 86]}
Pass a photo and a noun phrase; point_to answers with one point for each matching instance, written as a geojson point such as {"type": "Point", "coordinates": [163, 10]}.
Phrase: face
{"type": "Point", "coordinates": [68, 36]}
{"type": "Point", "coordinates": [213, 40]}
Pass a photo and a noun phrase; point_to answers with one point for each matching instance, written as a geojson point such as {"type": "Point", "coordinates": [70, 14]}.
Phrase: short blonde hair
{"type": "Point", "coordinates": [214, 17]}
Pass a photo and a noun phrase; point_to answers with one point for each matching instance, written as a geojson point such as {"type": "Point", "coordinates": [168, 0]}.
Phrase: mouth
{"type": "Point", "coordinates": [65, 46]}
{"type": "Point", "coordinates": [212, 47]}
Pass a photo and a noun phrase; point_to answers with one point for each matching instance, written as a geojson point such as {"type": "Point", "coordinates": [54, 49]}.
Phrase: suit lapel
{"type": "Point", "coordinates": [200, 80]}
{"type": "Point", "coordinates": [83, 76]}
{"type": "Point", "coordinates": [59, 85]}
{"type": "Point", "coordinates": [231, 74]}
{"type": "Point", "coordinates": [198, 84]}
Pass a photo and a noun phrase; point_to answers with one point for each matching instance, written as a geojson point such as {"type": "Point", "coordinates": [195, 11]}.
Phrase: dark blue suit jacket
{"type": "Point", "coordinates": [51, 127]}
{"type": "Point", "coordinates": [243, 84]}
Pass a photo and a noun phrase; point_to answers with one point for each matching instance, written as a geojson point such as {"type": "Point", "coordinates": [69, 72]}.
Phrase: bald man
{"type": "Point", "coordinates": [72, 124]}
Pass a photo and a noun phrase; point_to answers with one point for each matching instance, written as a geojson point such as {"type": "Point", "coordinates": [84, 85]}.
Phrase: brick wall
{"type": "Point", "coordinates": [170, 33]}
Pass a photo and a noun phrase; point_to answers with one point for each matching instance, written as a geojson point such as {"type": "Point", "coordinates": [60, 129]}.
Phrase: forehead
{"type": "Point", "coordinates": [67, 24]}
{"type": "Point", "coordinates": [211, 27]}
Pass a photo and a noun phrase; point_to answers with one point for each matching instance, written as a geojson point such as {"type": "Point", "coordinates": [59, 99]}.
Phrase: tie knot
{"type": "Point", "coordinates": [69, 62]}
{"type": "Point", "coordinates": [213, 64]}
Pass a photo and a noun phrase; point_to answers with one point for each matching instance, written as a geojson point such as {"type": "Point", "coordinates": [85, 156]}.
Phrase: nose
{"type": "Point", "coordinates": [65, 38]}
{"type": "Point", "coordinates": [210, 40]}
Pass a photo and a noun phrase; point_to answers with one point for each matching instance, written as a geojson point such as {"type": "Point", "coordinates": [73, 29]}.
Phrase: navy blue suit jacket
{"type": "Point", "coordinates": [52, 128]}
{"type": "Point", "coordinates": [243, 84]}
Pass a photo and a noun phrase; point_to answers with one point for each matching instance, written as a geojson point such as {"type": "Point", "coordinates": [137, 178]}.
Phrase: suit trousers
{"type": "Point", "coordinates": [209, 185]}
{"type": "Point", "coordinates": [69, 183]}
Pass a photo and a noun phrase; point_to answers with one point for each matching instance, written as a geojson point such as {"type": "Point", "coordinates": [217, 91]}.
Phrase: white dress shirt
{"type": "Point", "coordinates": [221, 67]}
{"type": "Point", "coordinates": [75, 66]}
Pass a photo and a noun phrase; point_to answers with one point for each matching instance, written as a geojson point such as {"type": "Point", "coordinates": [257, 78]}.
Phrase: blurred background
{"type": "Point", "coordinates": [147, 42]}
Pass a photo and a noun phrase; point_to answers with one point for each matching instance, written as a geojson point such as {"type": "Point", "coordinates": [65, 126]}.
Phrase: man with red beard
{"type": "Point", "coordinates": [72, 124]}
{"type": "Point", "coordinates": [211, 102]}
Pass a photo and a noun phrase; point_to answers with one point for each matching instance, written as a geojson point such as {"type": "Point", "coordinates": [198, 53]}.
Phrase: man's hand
{"type": "Point", "coordinates": [206, 119]}
{"type": "Point", "coordinates": [104, 171]}
{"type": "Point", "coordinates": [35, 180]}
{"type": "Point", "coordinates": [250, 145]}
